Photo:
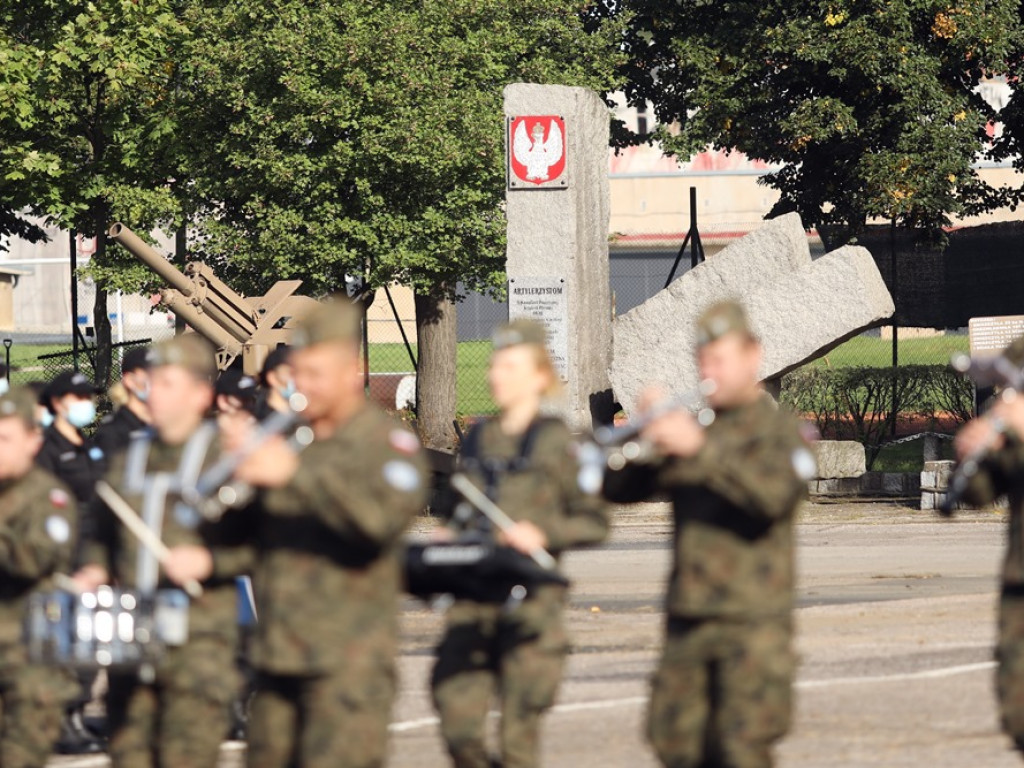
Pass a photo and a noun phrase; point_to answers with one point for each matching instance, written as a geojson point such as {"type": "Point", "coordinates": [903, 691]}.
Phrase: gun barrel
{"type": "Point", "coordinates": [123, 236]}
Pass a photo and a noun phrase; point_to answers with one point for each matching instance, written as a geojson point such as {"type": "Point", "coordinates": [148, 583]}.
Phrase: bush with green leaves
{"type": "Point", "coordinates": [871, 404]}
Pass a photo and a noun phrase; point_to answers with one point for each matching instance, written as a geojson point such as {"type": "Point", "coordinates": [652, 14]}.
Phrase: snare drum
{"type": "Point", "coordinates": [106, 628]}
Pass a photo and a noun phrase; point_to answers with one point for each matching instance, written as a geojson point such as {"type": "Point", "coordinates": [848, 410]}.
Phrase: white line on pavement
{"type": "Point", "coordinates": [582, 706]}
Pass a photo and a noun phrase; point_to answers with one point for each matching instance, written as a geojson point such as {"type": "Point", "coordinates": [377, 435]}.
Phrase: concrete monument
{"type": "Point", "coordinates": [558, 212]}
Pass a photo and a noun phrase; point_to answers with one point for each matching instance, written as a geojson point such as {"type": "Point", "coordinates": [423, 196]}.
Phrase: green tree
{"type": "Point", "coordinates": [88, 128]}
{"type": "Point", "coordinates": [362, 137]}
{"type": "Point", "coordinates": [869, 107]}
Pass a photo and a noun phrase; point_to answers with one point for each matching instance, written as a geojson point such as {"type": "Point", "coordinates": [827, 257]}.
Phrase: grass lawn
{"type": "Point", "coordinates": [472, 397]}
{"type": "Point", "coordinates": [876, 352]}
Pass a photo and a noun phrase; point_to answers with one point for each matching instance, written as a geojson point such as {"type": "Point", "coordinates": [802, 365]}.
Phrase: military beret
{"type": "Point", "coordinates": [519, 332]}
{"type": "Point", "coordinates": [19, 402]}
{"type": "Point", "coordinates": [1015, 352]}
{"type": "Point", "coordinates": [720, 320]}
{"type": "Point", "coordinates": [189, 351]}
{"type": "Point", "coordinates": [336, 320]}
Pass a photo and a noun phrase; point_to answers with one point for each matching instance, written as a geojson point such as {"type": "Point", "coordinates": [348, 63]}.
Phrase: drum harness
{"type": "Point", "coordinates": [170, 605]}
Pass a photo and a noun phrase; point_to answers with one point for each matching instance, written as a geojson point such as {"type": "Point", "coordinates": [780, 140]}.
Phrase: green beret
{"type": "Point", "coordinates": [19, 402]}
{"type": "Point", "coordinates": [720, 320]}
{"type": "Point", "coordinates": [1015, 352]}
{"type": "Point", "coordinates": [189, 351]}
{"type": "Point", "coordinates": [335, 320]}
{"type": "Point", "coordinates": [520, 332]}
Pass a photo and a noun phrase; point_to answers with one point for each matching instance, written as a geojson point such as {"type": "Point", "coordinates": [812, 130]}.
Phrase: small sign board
{"type": "Point", "coordinates": [537, 150]}
{"type": "Point", "coordinates": [991, 335]}
{"type": "Point", "coordinates": [544, 299]}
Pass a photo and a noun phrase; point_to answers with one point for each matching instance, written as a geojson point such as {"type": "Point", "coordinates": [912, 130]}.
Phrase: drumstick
{"type": "Point", "coordinates": [147, 537]}
{"type": "Point", "coordinates": [496, 515]}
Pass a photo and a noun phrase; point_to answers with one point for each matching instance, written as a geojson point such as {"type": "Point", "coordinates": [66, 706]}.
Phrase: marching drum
{"type": "Point", "coordinates": [106, 628]}
{"type": "Point", "coordinates": [473, 570]}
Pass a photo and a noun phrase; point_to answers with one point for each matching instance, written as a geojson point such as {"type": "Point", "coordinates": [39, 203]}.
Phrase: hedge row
{"type": "Point", "coordinates": [870, 404]}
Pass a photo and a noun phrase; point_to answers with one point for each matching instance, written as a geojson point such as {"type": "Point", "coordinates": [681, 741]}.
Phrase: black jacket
{"type": "Point", "coordinates": [116, 430]}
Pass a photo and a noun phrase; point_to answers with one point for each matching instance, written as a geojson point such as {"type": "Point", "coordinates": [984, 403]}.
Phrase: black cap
{"type": "Point", "coordinates": [234, 383]}
{"type": "Point", "coordinates": [71, 383]}
{"type": "Point", "coordinates": [277, 358]}
{"type": "Point", "coordinates": [135, 359]}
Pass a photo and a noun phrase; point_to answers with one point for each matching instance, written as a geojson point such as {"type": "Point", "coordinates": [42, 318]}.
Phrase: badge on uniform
{"type": "Point", "coordinates": [58, 529]}
{"type": "Point", "coordinates": [59, 498]}
{"type": "Point", "coordinates": [401, 475]}
{"type": "Point", "coordinates": [804, 464]}
{"type": "Point", "coordinates": [403, 442]}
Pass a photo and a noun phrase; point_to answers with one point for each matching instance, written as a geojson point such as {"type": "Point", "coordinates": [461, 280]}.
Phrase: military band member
{"type": "Point", "coordinates": [329, 568]}
{"type": "Point", "coordinates": [721, 694]}
{"type": "Point", "coordinates": [175, 714]}
{"type": "Point", "coordinates": [116, 429]}
{"type": "Point", "coordinates": [998, 437]}
{"type": "Point", "coordinates": [36, 539]}
{"type": "Point", "coordinates": [525, 462]}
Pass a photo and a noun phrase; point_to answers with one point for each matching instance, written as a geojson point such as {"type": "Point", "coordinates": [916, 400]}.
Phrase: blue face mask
{"type": "Point", "coordinates": [81, 413]}
{"type": "Point", "coordinates": [46, 419]}
{"type": "Point", "coordinates": [287, 391]}
{"type": "Point", "coordinates": [143, 393]}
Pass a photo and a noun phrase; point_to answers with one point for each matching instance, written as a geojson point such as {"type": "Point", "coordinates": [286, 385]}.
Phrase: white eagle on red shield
{"type": "Point", "coordinates": [539, 152]}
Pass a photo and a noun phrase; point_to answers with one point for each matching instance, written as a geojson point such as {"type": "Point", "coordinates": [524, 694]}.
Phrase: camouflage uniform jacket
{"type": "Point", "coordinates": [329, 573]}
{"type": "Point", "coordinates": [117, 550]}
{"type": "Point", "coordinates": [1002, 472]}
{"type": "Point", "coordinates": [734, 505]}
{"type": "Point", "coordinates": [37, 514]}
{"type": "Point", "coordinates": [534, 477]}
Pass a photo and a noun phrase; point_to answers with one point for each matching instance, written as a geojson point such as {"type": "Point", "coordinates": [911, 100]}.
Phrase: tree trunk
{"type": "Point", "coordinates": [435, 376]}
{"type": "Point", "coordinates": [100, 312]}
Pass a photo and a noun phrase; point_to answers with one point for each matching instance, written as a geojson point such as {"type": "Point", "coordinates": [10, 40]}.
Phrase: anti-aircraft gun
{"type": "Point", "coordinates": [235, 324]}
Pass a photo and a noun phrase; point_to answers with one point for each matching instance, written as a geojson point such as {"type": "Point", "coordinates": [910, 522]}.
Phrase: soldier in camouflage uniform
{"type": "Point", "coordinates": [999, 433]}
{"type": "Point", "coordinates": [526, 463]}
{"type": "Point", "coordinates": [721, 694]}
{"type": "Point", "coordinates": [329, 533]}
{"type": "Point", "coordinates": [36, 540]}
{"type": "Point", "coordinates": [176, 714]}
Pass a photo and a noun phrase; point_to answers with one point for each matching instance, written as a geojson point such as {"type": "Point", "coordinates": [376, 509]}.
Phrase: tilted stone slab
{"type": "Point", "coordinates": [800, 309]}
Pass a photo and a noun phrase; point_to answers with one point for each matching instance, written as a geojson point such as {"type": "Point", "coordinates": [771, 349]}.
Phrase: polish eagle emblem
{"type": "Point", "coordinates": [538, 149]}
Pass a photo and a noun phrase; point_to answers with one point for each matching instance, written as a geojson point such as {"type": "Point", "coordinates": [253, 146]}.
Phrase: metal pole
{"type": "Point", "coordinates": [73, 253]}
{"type": "Point", "coordinates": [894, 267]}
{"type": "Point", "coordinates": [7, 361]}
{"type": "Point", "coordinates": [401, 329]}
{"type": "Point", "coordinates": [696, 251]}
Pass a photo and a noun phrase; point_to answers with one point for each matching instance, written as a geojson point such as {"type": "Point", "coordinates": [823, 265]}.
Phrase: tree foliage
{"type": "Point", "coordinates": [362, 136]}
{"type": "Point", "coordinates": [869, 107]}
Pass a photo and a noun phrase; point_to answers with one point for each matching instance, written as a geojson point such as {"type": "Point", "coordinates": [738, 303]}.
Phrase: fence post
{"type": "Point", "coordinates": [7, 359]}
{"type": "Point", "coordinates": [73, 254]}
{"type": "Point", "coordinates": [894, 269]}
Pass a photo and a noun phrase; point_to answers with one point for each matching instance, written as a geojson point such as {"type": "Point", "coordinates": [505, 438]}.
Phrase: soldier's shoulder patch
{"type": "Point", "coordinates": [59, 498]}
{"type": "Point", "coordinates": [804, 463]}
{"type": "Point", "coordinates": [401, 475]}
{"type": "Point", "coordinates": [403, 441]}
{"type": "Point", "coordinates": [58, 529]}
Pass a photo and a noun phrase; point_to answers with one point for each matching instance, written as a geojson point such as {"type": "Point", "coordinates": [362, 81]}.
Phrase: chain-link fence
{"type": "Point", "coordinates": [44, 337]}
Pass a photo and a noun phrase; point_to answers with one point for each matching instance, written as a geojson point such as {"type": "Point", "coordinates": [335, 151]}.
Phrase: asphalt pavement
{"type": "Point", "coordinates": [896, 620]}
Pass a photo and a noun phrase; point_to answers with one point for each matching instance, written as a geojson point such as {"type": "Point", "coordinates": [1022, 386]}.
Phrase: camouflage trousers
{"type": "Point", "coordinates": [181, 718]}
{"type": "Point", "coordinates": [722, 693]}
{"type": "Point", "coordinates": [32, 703]}
{"type": "Point", "coordinates": [488, 654]}
{"type": "Point", "coordinates": [1010, 670]}
{"type": "Point", "coordinates": [336, 720]}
